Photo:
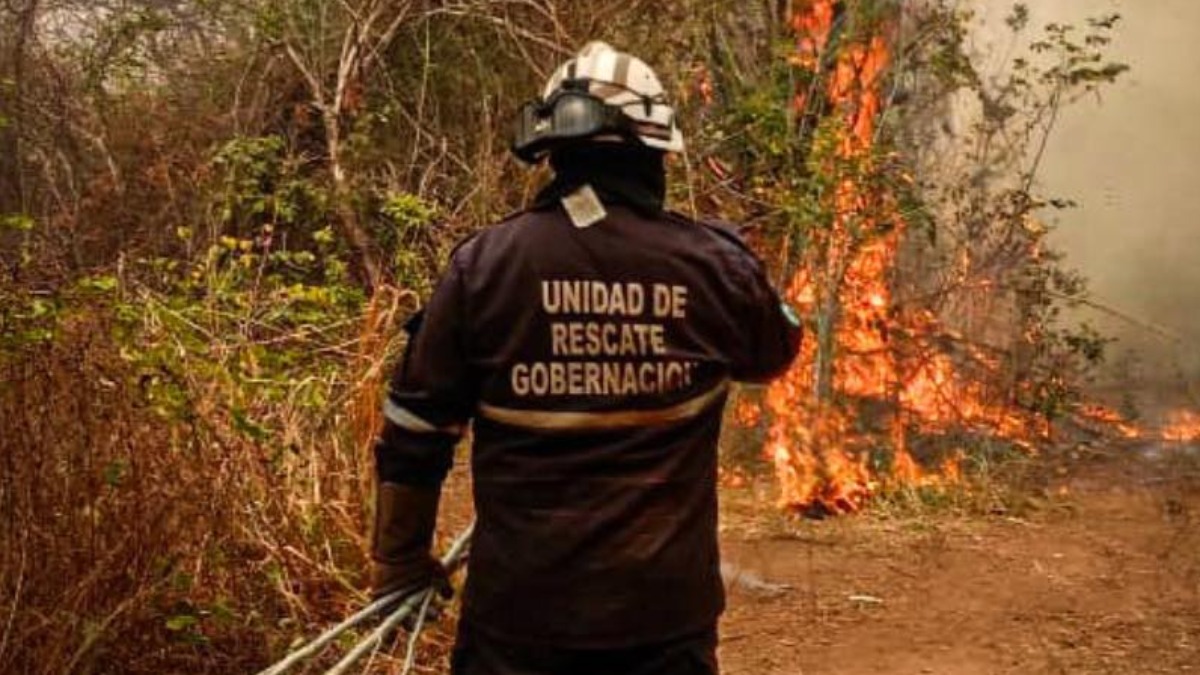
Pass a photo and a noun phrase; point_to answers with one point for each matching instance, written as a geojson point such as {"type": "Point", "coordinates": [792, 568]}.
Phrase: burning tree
{"type": "Point", "coordinates": [931, 296]}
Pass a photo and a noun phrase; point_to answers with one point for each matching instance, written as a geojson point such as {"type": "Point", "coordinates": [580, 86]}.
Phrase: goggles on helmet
{"type": "Point", "coordinates": [571, 113]}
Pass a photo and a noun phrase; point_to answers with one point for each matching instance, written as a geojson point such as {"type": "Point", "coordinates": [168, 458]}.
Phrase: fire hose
{"type": "Point", "coordinates": [411, 601]}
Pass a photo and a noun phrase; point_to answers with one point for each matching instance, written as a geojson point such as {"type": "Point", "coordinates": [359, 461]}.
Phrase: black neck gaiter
{"type": "Point", "coordinates": [621, 173]}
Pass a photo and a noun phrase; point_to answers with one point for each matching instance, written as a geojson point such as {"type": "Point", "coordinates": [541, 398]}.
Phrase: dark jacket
{"type": "Point", "coordinates": [594, 364]}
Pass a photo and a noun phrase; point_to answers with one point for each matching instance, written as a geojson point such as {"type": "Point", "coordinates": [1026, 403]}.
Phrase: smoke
{"type": "Point", "coordinates": [1132, 161]}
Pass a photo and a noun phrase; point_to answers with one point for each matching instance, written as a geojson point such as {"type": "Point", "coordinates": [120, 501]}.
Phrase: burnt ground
{"type": "Point", "coordinates": [1102, 577]}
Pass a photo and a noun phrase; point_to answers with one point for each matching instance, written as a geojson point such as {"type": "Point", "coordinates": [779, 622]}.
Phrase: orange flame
{"type": "Point", "coordinates": [1111, 419]}
{"type": "Point", "coordinates": [1177, 426]}
{"type": "Point", "coordinates": [1183, 426]}
{"type": "Point", "coordinates": [822, 455]}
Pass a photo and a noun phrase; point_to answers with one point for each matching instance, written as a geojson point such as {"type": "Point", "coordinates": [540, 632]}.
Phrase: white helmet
{"type": "Point", "coordinates": [621, 82]}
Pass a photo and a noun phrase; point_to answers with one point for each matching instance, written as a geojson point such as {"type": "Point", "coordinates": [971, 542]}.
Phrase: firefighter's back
{"type": "Point", "coordinates": [603, 356]}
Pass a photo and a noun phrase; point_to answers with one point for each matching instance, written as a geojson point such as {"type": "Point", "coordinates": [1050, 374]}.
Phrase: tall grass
{"type": "Point", "coordinates": [158, 520]}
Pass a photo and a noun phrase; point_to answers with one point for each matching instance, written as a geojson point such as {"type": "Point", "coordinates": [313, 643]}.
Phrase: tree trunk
{"type": "Point", "coordinates": [828, 317]}
{"type": "Point", "coordinates": [26, 20]}
{"type": "Point", "coordinates": [352, 229]}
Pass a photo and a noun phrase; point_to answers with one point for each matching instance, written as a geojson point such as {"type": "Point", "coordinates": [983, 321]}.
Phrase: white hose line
{"type": "Point", "coordinates": [330, 635]}
{"type": "Point", "coordinates": [372, 641]}
{"type": "Point", "coordinates": [410, 656]}
{"type": "Point", "coordinates": [454, 558]}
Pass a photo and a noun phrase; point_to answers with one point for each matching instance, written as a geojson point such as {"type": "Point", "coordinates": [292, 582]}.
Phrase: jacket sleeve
{"type": "Point", "coordinates": [433, 391]}
{"type": "Point", "coordinates": [768, 332]}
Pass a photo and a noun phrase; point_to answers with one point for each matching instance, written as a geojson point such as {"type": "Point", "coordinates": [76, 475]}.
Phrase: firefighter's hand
{"type": "Point", "coordinates": [409, 576]}
{"type": "Point", "coordinates": [411, 579]}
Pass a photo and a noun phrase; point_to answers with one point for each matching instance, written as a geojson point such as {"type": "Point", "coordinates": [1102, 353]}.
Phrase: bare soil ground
{"type": "Point", "coordinates": [1104, 577]}
{"type": "Point", "coordinates": [1094, 569]}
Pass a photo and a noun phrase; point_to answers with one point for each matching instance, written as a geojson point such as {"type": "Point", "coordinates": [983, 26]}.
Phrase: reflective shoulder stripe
{"type": "Point", "coordinates": [558, 420]}
{"type": "Point", "coordinates": [405, 419]}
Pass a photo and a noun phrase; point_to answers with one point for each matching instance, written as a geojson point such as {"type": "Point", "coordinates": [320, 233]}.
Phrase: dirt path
{"type": "Point", "coordinates": [1104, 580]}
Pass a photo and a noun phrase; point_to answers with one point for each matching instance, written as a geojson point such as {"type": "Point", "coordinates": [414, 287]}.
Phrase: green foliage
{"type": "Point", "coordinates": [115, 472]}
{"type": "Point", "coordinates": [26, 321]}
{"type": "Point", "coordinates": [407, 212]}
{"type": "Point", "coordinates": [1079, 65]}
{"type": "Point", "coordinates": [98, 284]}
{"type": "Point", "coordinates": [409, 218]}
{"type": "Point", "coordinates": [7, 85]}
{"type": "Point", "coordinates": [251, 321]}
{"type": "Point", "coordinates": [18, 222]}
{"type": "Point", "coordinates": [259, 184]}
{"type": "Point", "coordinates": [181, 622]}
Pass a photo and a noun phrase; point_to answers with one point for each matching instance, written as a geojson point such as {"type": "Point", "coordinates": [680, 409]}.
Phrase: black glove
{"type": "Point", "coordinates": [405, 517]}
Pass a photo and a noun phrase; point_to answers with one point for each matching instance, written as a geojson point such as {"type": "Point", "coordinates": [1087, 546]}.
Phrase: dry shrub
{"type": "Point", "coordinates": [138, 542]}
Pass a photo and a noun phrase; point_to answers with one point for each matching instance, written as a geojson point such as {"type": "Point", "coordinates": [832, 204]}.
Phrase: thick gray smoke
{"type": "Point", "coordinates": [1132, 159]}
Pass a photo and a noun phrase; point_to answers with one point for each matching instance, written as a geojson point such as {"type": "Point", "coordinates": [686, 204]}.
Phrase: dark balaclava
{"type": "Point", "coordinates": [621, 173]}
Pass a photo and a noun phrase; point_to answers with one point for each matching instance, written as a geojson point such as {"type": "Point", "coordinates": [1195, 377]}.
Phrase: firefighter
{"type": "Point", "coordinates": [590, 341]}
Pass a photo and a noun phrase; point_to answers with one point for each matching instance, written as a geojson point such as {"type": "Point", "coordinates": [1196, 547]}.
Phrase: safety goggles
{"type": "Point", "coordinates": [570, 114]}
